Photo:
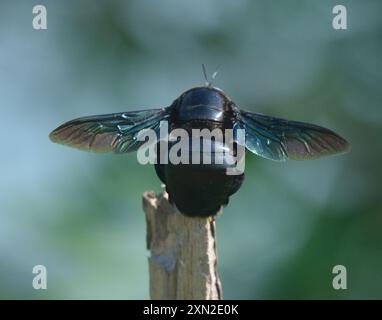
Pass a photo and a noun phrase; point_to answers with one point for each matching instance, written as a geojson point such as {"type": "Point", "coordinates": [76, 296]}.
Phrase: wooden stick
{"type": "Point", "coordinates": [183, 259]}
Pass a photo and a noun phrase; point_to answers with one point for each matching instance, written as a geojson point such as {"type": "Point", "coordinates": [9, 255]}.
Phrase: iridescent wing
{"type": "Point", "coordinates": [280, 139]}
{"type": "Point", "coordinates": [116, 132]}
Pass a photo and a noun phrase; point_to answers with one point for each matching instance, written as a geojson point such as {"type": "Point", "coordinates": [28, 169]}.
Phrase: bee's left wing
{"type": "Point", "coordinates": [279, 139]}
{"type": "Point", "coordinates": [116, 132]}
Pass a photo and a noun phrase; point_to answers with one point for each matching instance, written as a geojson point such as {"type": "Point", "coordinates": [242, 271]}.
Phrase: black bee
{"type": "Point", "coordinates": [201, 189]}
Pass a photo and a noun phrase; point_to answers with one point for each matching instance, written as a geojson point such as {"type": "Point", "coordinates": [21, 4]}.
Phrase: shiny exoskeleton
{"type": "Point", "coordinates": [201, 189]}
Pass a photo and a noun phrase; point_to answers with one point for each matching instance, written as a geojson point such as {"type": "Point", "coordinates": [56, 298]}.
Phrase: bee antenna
{"type": "Point", "coordinates": [215, 73]}
{"type": "Point", "coordinates": [213, 76]}
{"type": "Point", "coordinates": [208, 83]}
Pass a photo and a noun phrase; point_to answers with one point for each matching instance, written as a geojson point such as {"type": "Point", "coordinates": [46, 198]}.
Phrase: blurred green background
{"type": "Point", "coordinates": [80, 215]}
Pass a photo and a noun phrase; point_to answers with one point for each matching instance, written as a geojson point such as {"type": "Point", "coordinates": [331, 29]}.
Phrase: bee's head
{"type": "Point", "coordinates": [202, 103]}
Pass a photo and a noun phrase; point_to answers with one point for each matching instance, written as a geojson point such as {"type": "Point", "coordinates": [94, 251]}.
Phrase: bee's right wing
{"type": "Point", "coordinates": [116, 132]}
{"type": "Point", "coordinates": [279, 139]}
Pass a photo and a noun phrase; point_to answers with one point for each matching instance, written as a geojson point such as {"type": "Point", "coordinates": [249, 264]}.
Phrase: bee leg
{"type": "Point", "coordinates": [170, 199]}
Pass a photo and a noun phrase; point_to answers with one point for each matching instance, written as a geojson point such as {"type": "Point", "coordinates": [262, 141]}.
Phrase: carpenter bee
{"type": "Point", "coordinates": [201, 189]}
